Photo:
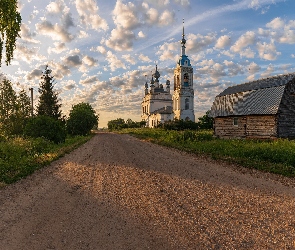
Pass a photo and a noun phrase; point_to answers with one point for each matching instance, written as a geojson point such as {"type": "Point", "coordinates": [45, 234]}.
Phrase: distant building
{"type": "Point", "coordinates": [260, 109]}
{"type": "Point", "coordinates": [159, 105]}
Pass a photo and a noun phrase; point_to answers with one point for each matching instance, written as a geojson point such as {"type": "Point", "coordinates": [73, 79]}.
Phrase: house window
{"type": "Point", "coordinates": [186, 104]}
{"type": "Point", "coordinates": [235, 121]}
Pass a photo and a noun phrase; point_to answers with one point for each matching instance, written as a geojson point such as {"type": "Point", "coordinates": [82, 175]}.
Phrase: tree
{"type": "Point", "coordinates": [48, 100]}
{"type": "Point", "coordinates": [206, 122]}
{"type": "Point", "coordinates": [10, 23]}
{"type": "Point", "coordinates": [8, 107]}
{"type": "Point", "coordinates": [23, 103]}
{"type": "Point", "coordinates": [82, 119]}
{"type": "Point", "coordinates": [14, 109]}
{"type": "Point", "coordinates": [119, 123]}
{"type": "Point", "coordinates": [47, 127]}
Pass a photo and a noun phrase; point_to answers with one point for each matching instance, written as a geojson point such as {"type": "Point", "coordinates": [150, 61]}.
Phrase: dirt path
{"type": "Point", "coordinates": [117, 192]}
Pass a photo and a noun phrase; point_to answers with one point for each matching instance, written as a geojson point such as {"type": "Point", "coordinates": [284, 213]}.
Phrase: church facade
{"type": "Point", "coordinates": [159, 105]}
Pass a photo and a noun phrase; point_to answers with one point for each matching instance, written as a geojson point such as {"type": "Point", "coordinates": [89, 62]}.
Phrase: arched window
{"type": "Point", "coordinates": [185, 80]}
{"type": "Point", "coordinates": [186, 107]}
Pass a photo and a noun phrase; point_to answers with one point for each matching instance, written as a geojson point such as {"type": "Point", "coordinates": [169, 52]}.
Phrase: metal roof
{"type": "Point", "coordinates": [261, 97]}
{"type": "Point", "coordinates": [270, 82]}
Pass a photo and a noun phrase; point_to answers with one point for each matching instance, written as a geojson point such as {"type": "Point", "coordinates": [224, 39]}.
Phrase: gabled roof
{"type": "Point", "coordinates": [261, 97]}
{"type": "Point", "coordinates": [264, 83]}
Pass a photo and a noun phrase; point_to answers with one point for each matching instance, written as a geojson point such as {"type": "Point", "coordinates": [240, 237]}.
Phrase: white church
{"type": "Point", "coordinates": [159, 105]}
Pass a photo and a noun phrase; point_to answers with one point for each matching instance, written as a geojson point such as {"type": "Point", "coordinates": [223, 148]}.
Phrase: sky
{"type": "Point", "coordinates": [101, 51]}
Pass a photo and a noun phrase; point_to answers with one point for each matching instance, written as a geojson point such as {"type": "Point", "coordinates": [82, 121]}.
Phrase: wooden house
{"type": "Point", "coordinates": [263, 108]}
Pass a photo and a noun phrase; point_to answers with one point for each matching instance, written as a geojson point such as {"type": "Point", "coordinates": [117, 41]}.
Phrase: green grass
{"type": "Point", "coordinates": [274, 156]}
{"type": "Point", "coordinates": [20, 157]}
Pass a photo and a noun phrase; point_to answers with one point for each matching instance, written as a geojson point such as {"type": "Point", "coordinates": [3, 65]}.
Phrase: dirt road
{"type": "Point", "coordinates": [117, 192]}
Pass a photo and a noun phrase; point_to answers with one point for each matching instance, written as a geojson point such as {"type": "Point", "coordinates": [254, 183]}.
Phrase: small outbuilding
{"type": "Point", "coordinates": [263, 109]}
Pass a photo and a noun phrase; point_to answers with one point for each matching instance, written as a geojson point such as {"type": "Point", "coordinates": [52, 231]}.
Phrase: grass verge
{"type": "Point", "coordinates": [20, 157]}
{"type": "Point", "coordinates": [274, 156]}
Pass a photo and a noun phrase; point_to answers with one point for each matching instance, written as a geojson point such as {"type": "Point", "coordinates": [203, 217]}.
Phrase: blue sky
{"type": "Point", "coordinates": [100, 51]}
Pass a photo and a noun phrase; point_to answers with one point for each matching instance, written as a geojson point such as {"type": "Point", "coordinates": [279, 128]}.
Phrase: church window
{"type": "Point", "coordinates": [185, 79]}
{"type": "Point", "coordinates": [186, 103]}
{"type": "Point", "coordinates": [235, 121]}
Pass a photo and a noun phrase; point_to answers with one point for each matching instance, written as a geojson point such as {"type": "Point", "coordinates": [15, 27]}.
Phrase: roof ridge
{"type": "Point", "coordinates": [262, 83]}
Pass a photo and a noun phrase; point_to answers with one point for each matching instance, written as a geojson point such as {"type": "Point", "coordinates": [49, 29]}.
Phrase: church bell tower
{"type": "Point", "coordinates": [183, 97]}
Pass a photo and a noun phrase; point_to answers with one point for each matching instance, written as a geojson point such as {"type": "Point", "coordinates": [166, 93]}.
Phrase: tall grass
{"type": "Point", "coordinates": [20, 157]}
{"type": "Point", "coordinates": [275, 156]}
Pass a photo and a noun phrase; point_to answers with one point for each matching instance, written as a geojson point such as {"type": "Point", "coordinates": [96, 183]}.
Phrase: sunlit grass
{"type": "Point", "coordinates": [20, 157]}
{"type": "Point", "coordinates": [275, 156]}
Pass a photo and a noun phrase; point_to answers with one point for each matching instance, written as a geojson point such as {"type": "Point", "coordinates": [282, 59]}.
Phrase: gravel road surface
{"type": "Point", "coordinates": [118, 192]}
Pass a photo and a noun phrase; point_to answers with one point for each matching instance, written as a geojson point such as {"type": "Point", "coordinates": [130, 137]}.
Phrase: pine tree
{"type": "Point", "coordinates": [48, 100]}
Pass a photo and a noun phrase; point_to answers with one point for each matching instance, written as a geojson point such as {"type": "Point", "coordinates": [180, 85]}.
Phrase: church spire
{"type": "Point", "coordinates": [183, 41]}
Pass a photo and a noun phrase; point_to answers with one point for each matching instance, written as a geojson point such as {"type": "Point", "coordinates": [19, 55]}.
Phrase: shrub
{"type": "Point", "coordinates": [82, 119]}
{"type": "Point", "coordinates": [47, 127]}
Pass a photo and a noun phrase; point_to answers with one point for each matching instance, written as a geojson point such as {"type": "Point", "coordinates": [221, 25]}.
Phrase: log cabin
{"type": "Point", "coordinates": [262, 109]}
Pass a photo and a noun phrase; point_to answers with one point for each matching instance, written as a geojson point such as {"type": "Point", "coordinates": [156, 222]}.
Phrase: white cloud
{"type": "Point", "coordinates": [56, 7]}
{"type": "Point", "coordinates": [100, 49]}
{"type": "Point", "coordinates": [90, 61]}
{"type": "Point", "coordinates": [34, 74]}
{"type": "Point", "coordinates": [89, 80]}
{"type": "Point", "coordinates": [120, 40]}
{"type": "Point", "coordinates": [72, 60]}
{"type": "Point", "coordinates": [196, 43]}
{"type": "Point", "coordinates": [253, 68]}
{"type": "Point", "coordinates": [144, 58]}
{"type": "Point", "coordinates": [82, 34]}
{"type": "Point", "coordinates": [59, 47]}
{"type": "Point", "coordinates": [280, 31]}
{"type": "Point", "coordinates": [159, 3]}
{"type": "Point", "coordinates": [168, 51]}
{"type": "Point", "coordinates": [128, 58]}
{"type": "Point", "coordinates": [151, 16]}
{"type": "Point", "coordinates": [166, 18]}
{"type": "Point", "coordinates": [141, 34]}
{"type": "Point", "coordinates": [276, 23]}
{"type": "Point", "coordinates": [114, 62]}
{"type": "Point", "coordinates": [249, 38]}
{"type": "Point", "coordinates": [55, 31]}
{"type": "Point", "coordinates": [267, 51]}
{"type": "Point", "coordinates": [268, 72]}
{"type": "Point", "coordinates": [248, 53]}
{"type": "Point", "coordinates": [222, 42]}
{"type": "Point", "coordinates": [88, 12]}
{"type": "Point", "coordinates": [125, 15]}
{"type": "Point", "coordinates": [68, 85]}
{"type": "Point", "coordinates": [27, 54]}
{"type": "Point", "coordinates": [234, 68]}
{"type": "Point", "coordinates": [182, 2]}
{"type": "Point", "coordinates": [27, 35]}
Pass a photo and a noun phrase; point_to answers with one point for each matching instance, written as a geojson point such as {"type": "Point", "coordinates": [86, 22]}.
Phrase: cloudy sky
{"type": "Point", "coordinates": [100, 51]}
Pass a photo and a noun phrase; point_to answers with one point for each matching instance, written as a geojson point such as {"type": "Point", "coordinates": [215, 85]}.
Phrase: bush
{"type": "Point", "coordinates": [47, 127]}
{"type": "Point", "coordinates": [82, 119]}
{"type": "Point", "coordinates": [179, 125]}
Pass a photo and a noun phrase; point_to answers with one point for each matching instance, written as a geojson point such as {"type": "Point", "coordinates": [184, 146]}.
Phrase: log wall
{"type": "Point", "coordinates": [252, 126]}
{"type": "Point", "coordinates": [286, 113]}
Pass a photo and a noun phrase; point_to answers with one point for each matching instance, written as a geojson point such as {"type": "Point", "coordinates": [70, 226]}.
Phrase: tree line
{"type": "Point", "coordinates": [16, 113]}
{"type": "Point", "coordinates": [205, 122]}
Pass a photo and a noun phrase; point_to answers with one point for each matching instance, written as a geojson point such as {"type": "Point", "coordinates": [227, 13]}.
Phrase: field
{"type": "Point", "coordinates": [20, 157]}
{"type": "Point", "coordinates": [274, 156]}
